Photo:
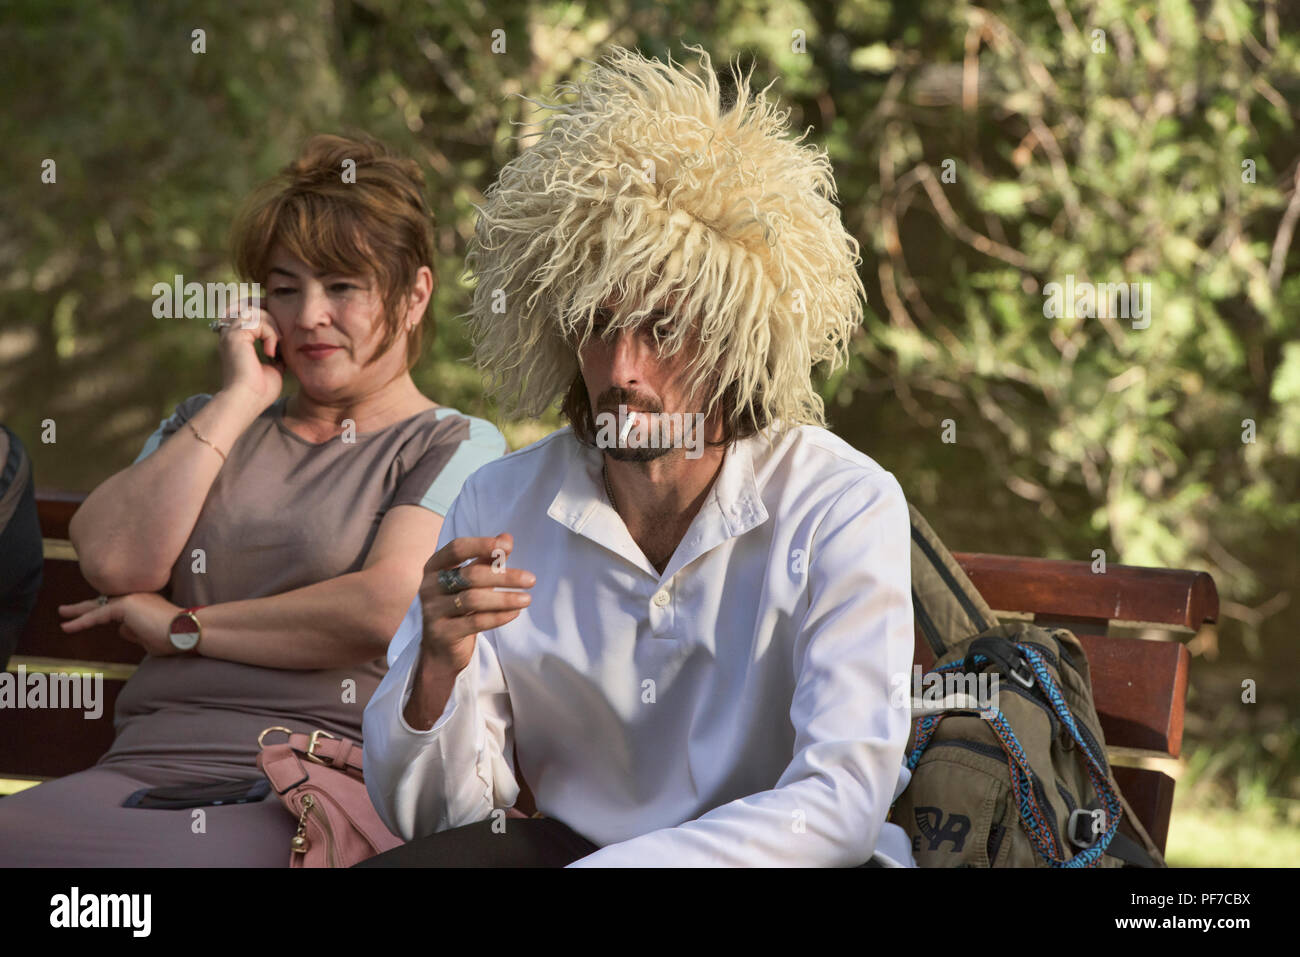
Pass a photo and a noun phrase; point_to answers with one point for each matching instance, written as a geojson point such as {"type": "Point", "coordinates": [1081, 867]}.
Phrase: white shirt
{"type": "Point", "coordinates": [732, 711]}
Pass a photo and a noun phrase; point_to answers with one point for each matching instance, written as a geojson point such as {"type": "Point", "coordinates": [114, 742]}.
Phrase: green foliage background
{"type": "Point", "coordinates": [1113, 161]}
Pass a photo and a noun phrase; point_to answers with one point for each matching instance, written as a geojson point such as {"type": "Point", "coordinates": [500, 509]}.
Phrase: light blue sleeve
{"type": "Point", "coordinates": [185, 411]}
{"type": "Point", "coordinates": [436, 479]}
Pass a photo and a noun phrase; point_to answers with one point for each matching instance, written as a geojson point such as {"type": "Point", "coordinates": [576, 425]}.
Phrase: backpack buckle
{"type": "Point", "coordinates": [1022, 673]}
{"type": "Point", "coordinates": [1085, 826]}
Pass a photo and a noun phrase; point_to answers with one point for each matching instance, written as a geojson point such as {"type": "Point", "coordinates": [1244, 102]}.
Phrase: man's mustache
{"type": "Point", "coordinates": [611, 399]}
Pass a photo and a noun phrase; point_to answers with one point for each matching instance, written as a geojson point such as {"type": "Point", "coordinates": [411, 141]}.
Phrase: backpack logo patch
{"type": "Point", "coordinates": [930, 822]}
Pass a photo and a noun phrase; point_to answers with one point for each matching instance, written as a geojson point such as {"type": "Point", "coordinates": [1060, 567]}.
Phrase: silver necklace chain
{"type": "Point", "coordinates": [604, 470]}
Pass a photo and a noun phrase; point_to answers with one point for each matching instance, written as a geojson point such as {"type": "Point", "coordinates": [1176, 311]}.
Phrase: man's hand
{"type": "Point", "coordinates": [453, 618]}
{"type": "Point", "coordinates": [145, 618]}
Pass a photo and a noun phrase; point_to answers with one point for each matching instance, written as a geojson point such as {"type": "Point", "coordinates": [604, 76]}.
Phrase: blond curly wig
{"type": "Point", "coordinates": [645, 186]}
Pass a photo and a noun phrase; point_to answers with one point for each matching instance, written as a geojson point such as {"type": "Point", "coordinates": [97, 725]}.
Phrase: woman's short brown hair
{"type": "Point", "coordinates": [366, 219]}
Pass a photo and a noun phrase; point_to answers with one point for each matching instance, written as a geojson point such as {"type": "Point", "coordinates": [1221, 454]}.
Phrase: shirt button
{"type": "Point", "coordinates": [661, 598]}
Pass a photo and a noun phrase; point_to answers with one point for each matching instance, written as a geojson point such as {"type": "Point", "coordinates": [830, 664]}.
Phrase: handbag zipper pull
{"type": "Point", "coordinates": [299, 843]}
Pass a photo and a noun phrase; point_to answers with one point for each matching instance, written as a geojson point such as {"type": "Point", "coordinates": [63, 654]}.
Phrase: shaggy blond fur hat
{"type": "Point", "coordinates": [644, 186]}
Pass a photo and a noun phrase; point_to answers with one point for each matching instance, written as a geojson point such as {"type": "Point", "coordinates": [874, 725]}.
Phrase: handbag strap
{"type": "Point", "coordinates": [283, 764]}
{"type": "Point", "coordinates": [282, 767]}
{"type": "Point", "coordinates": [339, 753]}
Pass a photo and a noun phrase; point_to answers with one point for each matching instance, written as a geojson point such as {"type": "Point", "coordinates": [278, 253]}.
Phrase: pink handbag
{"type": "Point", "coordinates": [319, 777]}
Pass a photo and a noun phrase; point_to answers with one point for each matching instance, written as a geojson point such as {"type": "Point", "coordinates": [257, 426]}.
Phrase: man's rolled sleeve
{"type": "Point", "coordinates": [454, 773]}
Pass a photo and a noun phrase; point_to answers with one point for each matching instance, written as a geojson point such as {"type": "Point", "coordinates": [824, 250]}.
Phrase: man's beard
{"type": "Point", "coordinates": [620, 451]}
{"type": "Point", "coordinates": [623, 454]}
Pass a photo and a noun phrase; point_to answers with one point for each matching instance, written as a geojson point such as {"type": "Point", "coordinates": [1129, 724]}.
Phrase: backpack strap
{"type": "Point", "coordinates": [1130, 851]}
{"type": "Point", "coordinates": [1145, 847]}
{"type": "Point", "coordinates": [947, 607]}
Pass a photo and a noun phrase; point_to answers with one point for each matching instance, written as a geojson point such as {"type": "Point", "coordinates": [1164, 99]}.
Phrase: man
{"type": "Point", "coordinates": [681, 614]}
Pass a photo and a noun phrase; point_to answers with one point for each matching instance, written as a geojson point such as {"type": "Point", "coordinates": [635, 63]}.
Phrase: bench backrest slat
{"type": "Point", "coordinates": [43, 637]}
{"type": "Point", "coordinates": [1124, 593]}
{"type": "Point", "coordinates": [59, 741]}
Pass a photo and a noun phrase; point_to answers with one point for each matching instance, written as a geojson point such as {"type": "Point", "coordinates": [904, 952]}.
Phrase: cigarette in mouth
{"type": "Point", "coordinates": [627, 428]}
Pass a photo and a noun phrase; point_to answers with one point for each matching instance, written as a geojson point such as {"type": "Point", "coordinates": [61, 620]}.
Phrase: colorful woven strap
{"type": "Point", "coordinates": [1036, 819]}
{"type": "Point", "coordinates": [1096, 772]}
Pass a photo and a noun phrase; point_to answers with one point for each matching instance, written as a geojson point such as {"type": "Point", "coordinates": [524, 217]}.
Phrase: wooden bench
{"type": "Point", "coordinates": [1139, 683]}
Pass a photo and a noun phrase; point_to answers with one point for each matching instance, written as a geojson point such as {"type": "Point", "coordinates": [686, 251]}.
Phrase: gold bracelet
{"type": "Point", "coordinates": [205, 441]}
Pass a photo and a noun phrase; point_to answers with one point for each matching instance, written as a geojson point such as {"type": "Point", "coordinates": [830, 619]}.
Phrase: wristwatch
{"type": "Point", "coordinates": [186, 632]}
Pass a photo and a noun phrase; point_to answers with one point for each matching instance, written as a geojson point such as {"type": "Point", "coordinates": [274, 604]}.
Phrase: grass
{"type": "Point", "coordinates": [1235, 806]}
{"type": "Point", "coordinates": [1231, 837]}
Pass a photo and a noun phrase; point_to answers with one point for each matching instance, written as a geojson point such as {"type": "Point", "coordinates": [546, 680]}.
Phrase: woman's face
{"type": "Point", "coordinates": [329, 325]}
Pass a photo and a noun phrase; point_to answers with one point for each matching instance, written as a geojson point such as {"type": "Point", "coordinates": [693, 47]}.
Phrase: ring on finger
{"type": "Point", "coordinates": [456, 601]}
{"type": "Point", "coordinates": [452, 581]}
{"type": "Point", "coordinates": [102, 600]}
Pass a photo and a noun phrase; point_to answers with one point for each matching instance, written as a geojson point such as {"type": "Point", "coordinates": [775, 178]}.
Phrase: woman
{"type": "Point", "coordinates": [295, 529]}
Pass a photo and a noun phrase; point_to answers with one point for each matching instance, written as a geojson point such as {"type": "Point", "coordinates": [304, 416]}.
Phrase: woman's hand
{"type": "Point", "coordinates": [241, 369]}
{"type": "Point", "coordinates": [145, 618]}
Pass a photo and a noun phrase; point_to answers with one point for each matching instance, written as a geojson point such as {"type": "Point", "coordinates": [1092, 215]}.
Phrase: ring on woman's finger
{"type": "Point", "coordinates": [456, 601]}
{"type": "Point", "coordinates": [451, 580]}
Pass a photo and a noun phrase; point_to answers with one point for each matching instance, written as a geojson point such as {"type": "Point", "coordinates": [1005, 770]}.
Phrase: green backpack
{"type": "Point", "coordinates": [1007, 756]}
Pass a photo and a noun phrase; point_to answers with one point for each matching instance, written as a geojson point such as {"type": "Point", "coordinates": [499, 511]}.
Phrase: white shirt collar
{"type": "Point", "coordinates": [732, 508]}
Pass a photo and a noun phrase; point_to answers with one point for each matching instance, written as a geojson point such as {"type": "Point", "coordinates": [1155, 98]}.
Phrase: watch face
{"type": "Point", "coordinates": [185, 632]}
